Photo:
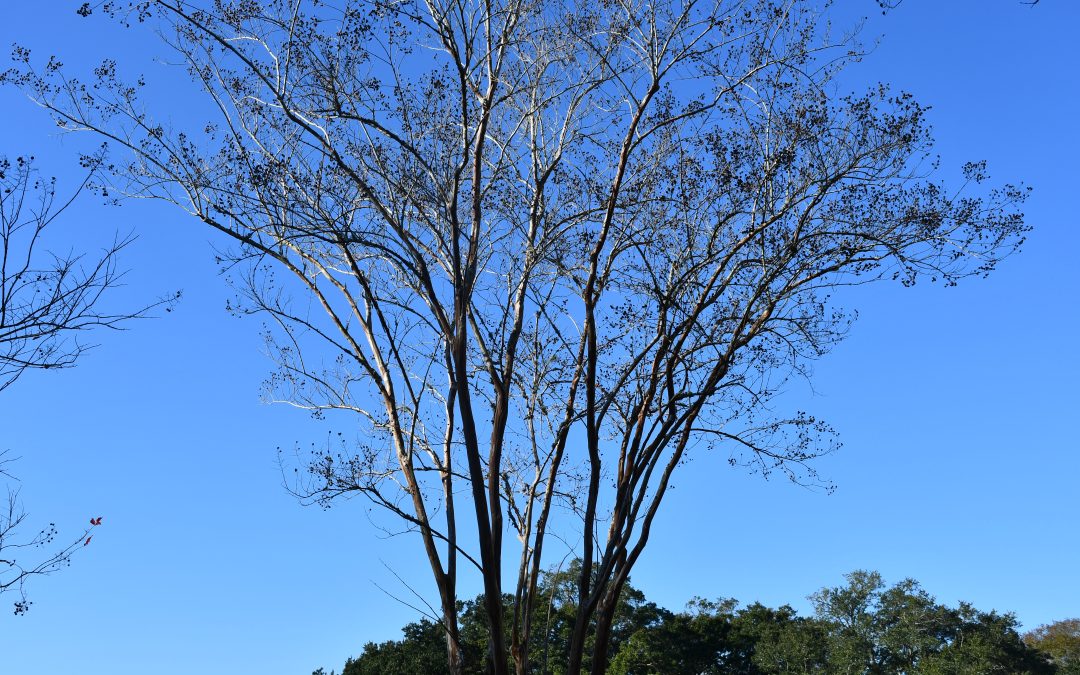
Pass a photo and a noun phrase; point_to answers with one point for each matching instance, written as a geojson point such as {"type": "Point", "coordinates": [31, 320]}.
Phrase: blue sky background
{"type": "Point", "coordinates": [957, 408]}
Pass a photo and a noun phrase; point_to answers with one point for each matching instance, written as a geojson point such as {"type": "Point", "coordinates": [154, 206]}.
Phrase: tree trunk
{"type": "Point", "coordinates": [455, 660]}
{"type": "Point", "coordinates": [605, 615]}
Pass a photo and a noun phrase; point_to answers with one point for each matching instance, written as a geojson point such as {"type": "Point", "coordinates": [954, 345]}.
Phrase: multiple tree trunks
{"type": "Point", "coordinates": [546, 251]}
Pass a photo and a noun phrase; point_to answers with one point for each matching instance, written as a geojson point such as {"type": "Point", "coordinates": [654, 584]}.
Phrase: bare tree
{"type": "Point", "coordinates": [547, 251]}
{"type": "Point", "coordinates": [15, 571]}
{"type": "Point", "coordinates": [47, 301]}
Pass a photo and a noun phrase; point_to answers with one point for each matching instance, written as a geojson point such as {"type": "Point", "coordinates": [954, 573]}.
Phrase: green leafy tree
{"type": "Point", "coordinates": [688, 642]}
{"type": "Point", "coordinates": [713, 638]}
{"type": "Point", "coordinates": [769, 641]}
{"type": "Point", "coordinates": [876, 630]}
{"type": "Point", "coordinates": [422, 649]}
{"type": "Point", "coordinates": [985, 642]}
{"type": "Point", "coordinates": [1061, 641]}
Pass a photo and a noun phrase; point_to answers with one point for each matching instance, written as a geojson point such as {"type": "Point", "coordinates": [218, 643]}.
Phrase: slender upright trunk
{"type": "Point", "coordinates": [489, 554]}
{"type": "Point", "coordinates": [578, 636]}
{"type": "Point", "coordinates": [455, 660]}
{"type": "Point", "coordinates": [605, 615]}
{"type": "Point", "coordinates": [577, 647]}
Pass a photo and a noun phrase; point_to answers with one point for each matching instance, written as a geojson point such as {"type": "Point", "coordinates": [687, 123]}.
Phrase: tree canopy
{"type": "Point", "coordinates": [542, 253]}
{"type": "Point", "coordinates": [1061, 640]}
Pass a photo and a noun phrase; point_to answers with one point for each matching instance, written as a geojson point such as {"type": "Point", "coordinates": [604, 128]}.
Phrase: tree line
{"type": "Point", "coordinates": [863, 627]}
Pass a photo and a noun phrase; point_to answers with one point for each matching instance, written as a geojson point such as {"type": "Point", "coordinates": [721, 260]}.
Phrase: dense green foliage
{"type": "Point", "coordinates": [1061, 640]}
{"type": "Point", "coordinates": [861, 628]}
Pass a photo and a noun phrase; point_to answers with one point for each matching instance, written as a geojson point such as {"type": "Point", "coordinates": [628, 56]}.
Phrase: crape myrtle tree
{"type": "Point", "coordinates": [21, 555]}
{"type": "Point", "coordinates": [543, 252]}
{"type": "Point", "coordinates": [49, 300]}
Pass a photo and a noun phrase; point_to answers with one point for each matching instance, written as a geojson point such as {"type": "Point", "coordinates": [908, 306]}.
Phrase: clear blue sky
{"type": "Point", "coordinates": [957, 408]}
